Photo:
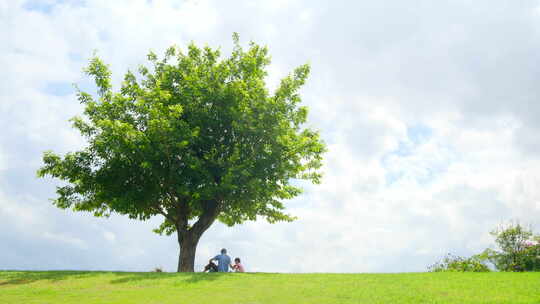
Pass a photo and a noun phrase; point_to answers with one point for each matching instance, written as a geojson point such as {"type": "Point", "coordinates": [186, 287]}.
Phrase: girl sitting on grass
{"type": "Point", "coordinates": [237, 266]}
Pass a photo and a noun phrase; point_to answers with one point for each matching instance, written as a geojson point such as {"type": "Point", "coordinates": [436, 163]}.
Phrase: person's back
{"type": "Point", "coordinates": [223, 261]}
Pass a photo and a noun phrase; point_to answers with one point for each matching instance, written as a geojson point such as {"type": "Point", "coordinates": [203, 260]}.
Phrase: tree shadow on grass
{"type": "Point", "coordinates": [192, 277]}
{"type": "Point", "coordinates": [8, 278]}
{"type": "Point", "coordinates": [26, 277]}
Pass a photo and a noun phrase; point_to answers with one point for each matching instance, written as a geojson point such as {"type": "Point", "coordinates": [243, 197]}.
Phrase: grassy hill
{"type": "Point", "coordinates": [125, 287]}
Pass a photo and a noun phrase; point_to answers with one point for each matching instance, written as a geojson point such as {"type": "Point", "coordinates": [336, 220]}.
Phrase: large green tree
{"type": "Point", "coordinates": [193, 137]}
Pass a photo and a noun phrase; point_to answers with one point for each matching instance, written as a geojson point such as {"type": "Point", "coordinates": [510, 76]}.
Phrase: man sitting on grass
{"type": "Point", "coordinates": [224, 261]}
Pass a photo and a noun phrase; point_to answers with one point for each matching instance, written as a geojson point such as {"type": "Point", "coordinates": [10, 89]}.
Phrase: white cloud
{"type": "Point", "coordinates": [3, 161]}
{"type": "Point", "coordinates": [109, 236]}
{"type": "Point", "coordinates": [65, 240]}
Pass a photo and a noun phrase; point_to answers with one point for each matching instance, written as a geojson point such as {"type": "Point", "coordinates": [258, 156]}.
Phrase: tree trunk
{"type": "Point", "coordinates": [188, 246]}
{"type": "Point", "coordinates": [189, 238]}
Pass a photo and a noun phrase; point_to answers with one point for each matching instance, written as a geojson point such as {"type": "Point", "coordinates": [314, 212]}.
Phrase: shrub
{"type": "Point", "coordinates": [518, 249]}
{"type": "Point", "coordinates": [158, 269]}
{"type": "Point", "coordinates": [459, 264]}
{"type": "Point", "coordinates": [531, 262]}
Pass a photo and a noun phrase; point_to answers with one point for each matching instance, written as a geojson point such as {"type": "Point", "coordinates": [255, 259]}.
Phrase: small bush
{"type": "Point", "coordinates": [518, 249]}
{"type": "Point", "coordinates": [158, 269]}
{"type": "Point", "coordinates": [459, 264]}
{"type": "Point", "coordinates": [532, 254]}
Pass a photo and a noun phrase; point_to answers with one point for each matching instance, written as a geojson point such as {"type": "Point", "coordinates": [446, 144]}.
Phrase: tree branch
{"type": "Point", "coordinates": [183, 215]}
{"type": "Point", "coordinates": [165, 214]}
{"type": "Point", "coordinates": [209, 215]}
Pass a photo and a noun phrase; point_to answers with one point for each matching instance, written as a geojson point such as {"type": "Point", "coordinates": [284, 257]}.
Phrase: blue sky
{"type": "Point", "coordinates": [429, 113]}
{"type": "Point", "coordinates": [40, 6]}
{"type": "Point", "coordinates": [47, 6]}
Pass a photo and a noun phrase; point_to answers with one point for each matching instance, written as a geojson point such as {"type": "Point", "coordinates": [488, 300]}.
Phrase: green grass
{"type": "Point", "coordinates": [124, 287]}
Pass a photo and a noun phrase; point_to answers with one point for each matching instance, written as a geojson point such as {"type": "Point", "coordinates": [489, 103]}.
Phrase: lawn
{"type": "Point", "coordinates": [127, 287]}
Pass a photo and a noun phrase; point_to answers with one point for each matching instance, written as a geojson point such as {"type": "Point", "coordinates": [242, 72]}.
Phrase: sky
{"type": "Point", "coordinates": [428, 109]}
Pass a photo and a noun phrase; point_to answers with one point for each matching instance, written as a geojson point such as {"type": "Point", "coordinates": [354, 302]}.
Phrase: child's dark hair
{"type": "Point", "coordinates": [237, 260]}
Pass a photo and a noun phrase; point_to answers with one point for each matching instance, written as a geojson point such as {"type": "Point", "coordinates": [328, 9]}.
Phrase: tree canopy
{"type": "Point", "coordinates": [193, 137]}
